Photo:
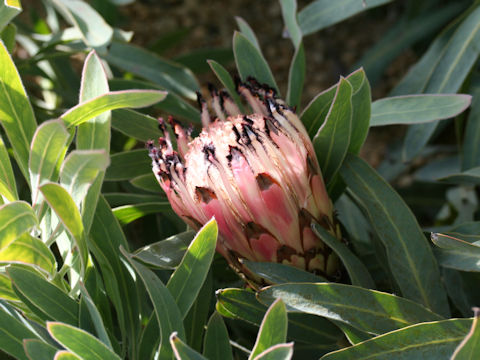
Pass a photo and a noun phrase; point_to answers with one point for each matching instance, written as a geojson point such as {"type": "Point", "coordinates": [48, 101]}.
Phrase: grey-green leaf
{"type": "Point", "coordinates": [217, 344]}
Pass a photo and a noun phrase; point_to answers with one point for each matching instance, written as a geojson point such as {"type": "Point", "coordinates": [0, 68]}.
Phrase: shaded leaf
{"type": "Point", "coordinates": [277, 273]}
{"type": "Point", "coordinates": [8, 187]}
{"type": "Point", "coordinates": [182, 351]}
{"type": "Point", "coordinates": [277, 352]}
{"type": "Point", "coordinates": [469, 348]}
{"type": "Point", "coordinates": [8, 10]}
{"type": "Point", "coordinates": [38, 350]}
{"type": "Point", "coordinates": [217, 344]}
{"type": "Point", "coordinates": [129, 164]}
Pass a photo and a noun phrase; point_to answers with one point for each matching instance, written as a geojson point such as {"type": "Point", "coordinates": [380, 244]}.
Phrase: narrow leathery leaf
{"type": "Point", "coordinates": [333, 138]}
{"type": "Point", "coordinates": [289, 13]}
{"type": "Point", "coordinates": [16, 114]}
{"type": "Point", "coordinates": [66, 355]}
{"type": "Point", "coordinates": [182, 351]}
{"type": "Point", "coordinates": [469, 348]}
{"type": "Point", "coordinates": [167, 312]}
{"type": "Point", "coordinates": [8, 10]}
{"type": "Point", "coordinates": [409, 254]}
{"type": "Point", "coordinates": [16, 218]}
{"type": "Point", "coordinates": [104, 241]}
{"type": "Point", "coordinates": [172, 104]}
{"type": "Point", "coordinates": [6, 193]}
{"type": "Point", "coordinates": [188, 278]}
{"type": "Point", "coordinates": [296, 77]}
{"type": "Point", "coordinates": [447, 76]}
{"type": "Point", "coordinates": [95, 32]}
{"type": "Point", "coordinates": [128, 213]}
{"type": "Point", "coordinates": [46, 296]}
{"type": "Point", "coordinates": [250, 61]}
{"type": "Point", "coordinates": [79, 171]}
{"type": "Point", "coordinates": [277, 273]}
{"type": "Point", "coordinates": [96, 318]}
{"type": "Point", "coordinates": [227, 81]}
{"type": "Point", "coordinates": [93, 134]}
{"type": "Point", "coordinates": [147, 182]}
{"type": "Point", "coordinates": [79, 342]}
{"type": "Point", "coordinates": [357, 271]}
{"type": "Point", "coordinates": [471, 141]}
{"type": "Point", "coordinates": [217, 345]}
{"type": "Point", "coordinates": [118, 199]}
{"type": "Point", "coordinates": [313, 116]}
{"type": "Point", "coordinates": [6, 291]}
{"type": "Point", "coordinates": [361, 109]}
{"type": "Point", "coordinates": [12, 333]}
{"type": "Point", "coordinates": [29, 250]}
{"type": "Point", "coordinates": [110, 101]}
{"type": "Point", "coordinates": [273, 329]}
{"type": "Point", "coordinates": [8, 35]}
{"type": "Point", "coordinates": [242, 304]}
{"type": "Point", "coordinates": [456, 253]}
{"type": "Point", "coordinates": [138, 61]}
{"type": "Point", "coordinates": [197, 316]}
{"type": "Point", "coordinates": [8, 187]}
{"type": "Point", "coordinates": [67, 211]}
{"type": "Point", "coordinates": [129, 164]}
{"type": "Point", "coordinates": [277, 352]}
{"type": "Point", "coordinates": [371, 311]}
{"type": "Point", "coordinates": [436, 340]}
{"type": "Point", "coordinates": [137, 125]}
{"type": "Point", "coordinates": [149, 339]}
{"type": "Point", "coordinates": [320, 14]}
{"type": "Point", "coordinates": [247, 31]}
{"type": "Point", "coordinates": [165, 254]}
{"type": "Point", "coordinates": [469, 177]}
{"type": "Point", "coordinates": [48, 149]}
{"type": "Point", "coordinates": [39, 350]}
{"type": "Point", "coordinates": [415, 109]}
{"type": "Point", "coordinates": [353, 335]}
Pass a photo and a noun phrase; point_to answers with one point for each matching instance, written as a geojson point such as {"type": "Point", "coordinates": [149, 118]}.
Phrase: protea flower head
{"type": "Point", "coordinates": [257, 173]}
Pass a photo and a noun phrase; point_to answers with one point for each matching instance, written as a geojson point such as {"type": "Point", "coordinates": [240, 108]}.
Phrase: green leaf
{"type": "Point", "coordinates": [415, 109]}
{"type": "Point", "coordinates": [134, 124]}
{"type": "Point", "coordinates": [118, 199]}
{"type": "Point", "coordinates": [447, 75]}
{"type": "Point", "coordinates": [95, 317]}
{"type": "Point", "coordinates": [471, 141]}
{"type": "Point", "coordinates": [12, 333]}
{"type": "Point", "coordinates": [128, 213]}
{"type": "Point", "coordinates": [333, 137]}
{"type": "Point", "coordinates": [371, 311]}
{"type": "Point", "coordinates": [167, 312]}
{"type": "Point", "coordinates": [49, 146]}
{"type": "Point", "coordinates": [79, 171]}
{"type": "Point", "coordinates": [277, 352]}
{"type": "Point", "coordinates": [469, 348]}
{"type": "Point", "coordinates": [95, 32]}
{"type": "Point", "coordinates": [277, 273]}
{"type": "Point", "coordinates": [296, 77]}
{"type": "Point", "coordinates": [217, 345]}
{"type": "Point", "coordinates": [138, 61]}
{"type": "Point", "coordinates": [196, 60]}
{"type": "Point", "coordinates": [8, 35]}
{"type": "Point", "coordinates": [172, 104]}
{"type": "Point", "coordinates": [357, 272]}
{"type": "Point", "coordinates": [320, 14]}
{"type": "Point", "coordinates": [409, 254]}
{"type": "Point", "coordinates": [66, 355]}
{"type": "Point", "coordinates": [62, 203]}
{"type": "Point", "coordinates": [52, 301]}
{"type": "Point", "coordinates": [197, 316]}
{"type": "Point", "coordinates": [248, 32]}
{"type": "Point", "coordinates": [250, 61]}
{"type": "Point", "coordinates": [273, 329]}
{"type": "Point", "coordinates": [166, 254]}
{"type": "Point", "coordinates": [93, 134]}
{"type": "Point", "coordinates": [16, 218]}
{"type": "Point", "coordinates": [147, 182]}
{"type": "Point", "coordinates": [8, 10]}
{"type": "Point", "coordinates": [470, 177]}
{"type": "Point", "coordinates": [129, 164]}
{"type": "Point", "coordinates": [456, 253]}
{"type": "Point", "coordinates": [227, 81]}
{"type": "Point", "coordinates": [187, 280]}
{"type": "Point", "coordinates": [433, 340]}
{"type": "Point", "coordinates": [289, 13]}
{"type": "Point", "coordinates": [110, 101]}
{"type": "Point", "coordinates": [39, 350]}
{"type": "Point", "coordinates": [313, 116]}
{"type": "Point", "coordinates": [16, 114]}
{"type": "Point", "coordinates": [79, 342]}
{"type": "Point", "coordinates": [182, 351]}
{"type": "Point", "coordinates": [8, 187]}
{"type": "Point", "coordinates": [29, 250]}
{"type": "Point", "coordinates": [149, 340]}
